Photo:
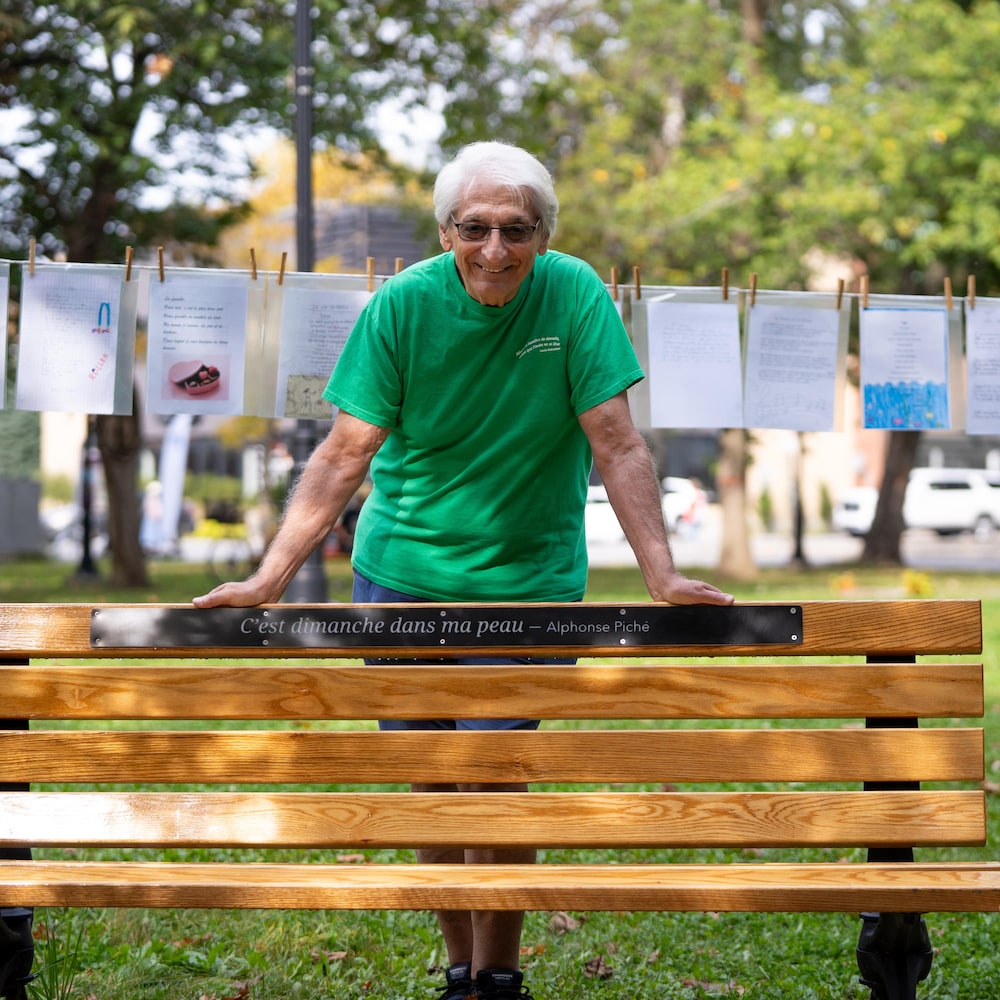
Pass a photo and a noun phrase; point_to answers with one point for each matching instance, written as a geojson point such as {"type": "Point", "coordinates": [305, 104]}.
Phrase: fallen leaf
{"type": "Point", "coordinates": [597, 968]}
{"type": "Point", "coordinates": [184, 942]}
{"type": "Point", "coordinates": [328, 956]}
{"type": "Point", "coordinates": [563, 923]}
{"type": "Point", "coordinates": [716, 989]}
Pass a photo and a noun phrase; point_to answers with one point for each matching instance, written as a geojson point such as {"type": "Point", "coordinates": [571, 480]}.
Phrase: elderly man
{"type": "Point", "coordinates": [478, 387]}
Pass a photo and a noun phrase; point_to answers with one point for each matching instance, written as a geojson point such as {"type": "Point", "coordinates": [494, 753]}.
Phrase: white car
{"type": "Point", "coordinates": [950, 501]}
{"type": "Point", "coordinates": [601, 522]}
{"type": "Point", "coordinates": [683, 503]}
{"type": "Point", "coordinates": [854, 510]}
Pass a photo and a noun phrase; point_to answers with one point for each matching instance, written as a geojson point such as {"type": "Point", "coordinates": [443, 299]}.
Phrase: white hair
{"type": "Point", "coordinates": [503, 165]}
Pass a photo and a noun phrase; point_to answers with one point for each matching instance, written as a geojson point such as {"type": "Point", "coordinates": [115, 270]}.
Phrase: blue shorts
{"type": "Point", "coordinates": [367, 592]}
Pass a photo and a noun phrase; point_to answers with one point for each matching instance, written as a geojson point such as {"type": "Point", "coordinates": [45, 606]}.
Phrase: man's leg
{"type": "Point", "coordinates": [497, 933]}
{"type": "Point", "coordinates": [489, 939]}
{"type": "Point", "coordinates": [456, 925]}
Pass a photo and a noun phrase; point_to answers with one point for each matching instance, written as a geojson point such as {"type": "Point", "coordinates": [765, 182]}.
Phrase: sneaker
{"type": "Point", "coordinates": [458, 982]}
{"type": "Point", "coordinates": [501, 984]}
{"type": "Point", "coordinates": [17, 952]}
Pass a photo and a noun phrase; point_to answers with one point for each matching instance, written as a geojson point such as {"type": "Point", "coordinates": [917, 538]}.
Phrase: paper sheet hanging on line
{"type": "Point", "coordinates": [5, 293]}
{"type": "Point", "coordinates": [792, 359]}
{"type": "Point", "coordinates": [197, 344]}
{"type": "Point", "coordinates": [315, 324]}
{"type": "Point", "coordinates": [69, 336]}
{"type": "Point", "coordinates": [694, 368]}
{"type": "Point", "coordinates": [904, 368]}
{"type": "Point", "coordinates": [982, 331]}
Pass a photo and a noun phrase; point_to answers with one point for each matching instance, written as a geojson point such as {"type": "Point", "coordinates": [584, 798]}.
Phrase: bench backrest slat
{"type": "Point", "coordinates": [637, 691]}
{"type": "Point", "coordinates": [561, 819]}
{"type": "Point", "coordinates": [876, 628]}
{"type": "Point", "coordinates": [555, 756]}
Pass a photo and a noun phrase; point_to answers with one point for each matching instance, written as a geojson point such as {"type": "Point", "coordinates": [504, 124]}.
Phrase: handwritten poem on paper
{"type": "Point", "coordinates": [791, 367]}
{"type": "Point", "coordinates": [982, 333]}
{"type": "Point", "coordinates": [315, 324]}
{"type": "Point", "coordinates": [695, 370]}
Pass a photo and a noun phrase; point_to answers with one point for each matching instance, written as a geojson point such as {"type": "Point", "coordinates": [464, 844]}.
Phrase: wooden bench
{"type": "Point", "coordinates": [854, 782]}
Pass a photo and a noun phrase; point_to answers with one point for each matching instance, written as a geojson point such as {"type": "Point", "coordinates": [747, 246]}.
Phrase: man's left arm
{"type": "Point", "coordinates": [626, 469]}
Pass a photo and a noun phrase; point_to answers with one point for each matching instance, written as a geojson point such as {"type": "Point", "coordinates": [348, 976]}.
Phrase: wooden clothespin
{"type": "Point", "coordinates": [253, 264]}
{"type": "Point", "coordinates": [371, 274]}
{"type": "Point", "coordinates": [128, 263]}
{"type": "Point", "coordinates": [864, 291]}
{"type": "Point", "coordinates": [636, 283]}
{"type": "Point", "coordinates": [159, 261]}
{"type": "Point", "coordinates": [947, 294]}
{"type": "Point", "coordinates": [725, 284]}
{"type": "Point", "coordinates": [31, 256]}
{"type": "Point", "coordinates": [970, 291]}
{"type": "Point", "coordinates": [753, 289]}
{"type": "Point", "coordinates": [840, 292]}
{"type": "Point", "coordinates": [281, 270]}
{"type": "Point", "coordinates": [614, 283]}
{"type": "Point", "coordinates": [399, 264]}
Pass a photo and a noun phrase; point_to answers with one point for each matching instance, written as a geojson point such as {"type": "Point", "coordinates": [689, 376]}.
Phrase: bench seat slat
{"type": "Point", "coordinates": [828, 628]}
{"type": "Point", "coordinates": [543, 819]}
{"type": "Point", "coordinates": [970, 887]}
{"type": "Point", "coordinates": [810, 755]}
{"type": "Point", "coordinates": [637, 691]}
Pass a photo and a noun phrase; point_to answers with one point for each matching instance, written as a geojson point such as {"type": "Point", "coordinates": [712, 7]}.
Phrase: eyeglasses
{"type": "Point", "coordinates": [479, 232]}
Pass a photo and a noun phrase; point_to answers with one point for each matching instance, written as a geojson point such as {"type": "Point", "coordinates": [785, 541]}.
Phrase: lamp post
{"type": "Point", "coordinates": [308, 586]}
{"type": "Point", "coordinates": [87, 567]}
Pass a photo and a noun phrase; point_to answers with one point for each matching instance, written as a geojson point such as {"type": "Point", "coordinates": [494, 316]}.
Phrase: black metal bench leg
{"type": "Point", "coordinates": [17, 947]}
{"type": "Point", "coordinates": [894, 950]}
{"type": "Point", "coordinates": [894, 954]}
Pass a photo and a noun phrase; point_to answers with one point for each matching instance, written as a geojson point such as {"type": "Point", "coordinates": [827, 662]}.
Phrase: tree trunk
{"type": "Point", "coordinates": [798, 511]}
{"type": "Point", "coordinates": [735, 561]}
{"type": "Point", "coordinates": [882, 543]}
{"type": "Point", "coordinates": [119, 440]}
{"type": "Point", "coordinates": [753, 13]}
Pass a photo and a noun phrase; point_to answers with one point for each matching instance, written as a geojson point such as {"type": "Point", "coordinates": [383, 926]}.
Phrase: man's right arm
{"type": "Point", "coordinates": [333, 474]}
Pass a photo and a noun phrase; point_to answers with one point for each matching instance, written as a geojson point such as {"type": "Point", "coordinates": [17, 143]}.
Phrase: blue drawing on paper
{"type": "Point", "coordinates": [901, 406]}
{"type": "Point", "coordinates": [103, 318]}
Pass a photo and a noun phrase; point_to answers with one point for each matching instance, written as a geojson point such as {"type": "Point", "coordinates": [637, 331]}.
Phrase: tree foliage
{"type": "Point", "coordinates": [118, 121]}
{"type": "Point", "coordinates": [857, 129]}
{"type": "Point", "coordinates": [120, 103]}
{"type": "Point", "coordinates": [685, 136]}
{"type": "Point", "coordinates": [866, 132]}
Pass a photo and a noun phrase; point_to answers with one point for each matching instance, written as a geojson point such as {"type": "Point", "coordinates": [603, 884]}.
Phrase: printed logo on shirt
{"type": "Point", "coordinates": [546, 345]}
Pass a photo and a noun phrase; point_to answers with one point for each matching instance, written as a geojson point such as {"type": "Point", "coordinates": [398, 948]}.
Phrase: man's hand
{"type": "Point", "coordinates": [680, 589]}
{"type": "Point", "coordinates": [242, 594]}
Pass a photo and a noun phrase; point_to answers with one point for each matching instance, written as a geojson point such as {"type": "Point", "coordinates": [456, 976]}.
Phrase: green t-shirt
{"type": "Point", "coordinates": [478, 493]}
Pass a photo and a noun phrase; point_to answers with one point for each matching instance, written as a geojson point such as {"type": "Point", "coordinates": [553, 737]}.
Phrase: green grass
{"type": "Point", "coordinates": [271, 955]}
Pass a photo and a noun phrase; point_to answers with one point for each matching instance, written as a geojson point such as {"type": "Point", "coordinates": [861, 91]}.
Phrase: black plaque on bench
{"type": "Point", "coordinates": [349, 626]}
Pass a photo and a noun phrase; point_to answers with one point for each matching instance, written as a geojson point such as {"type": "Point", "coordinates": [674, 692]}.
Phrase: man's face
{"type": "Point", "coordinates": [492, 270]}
